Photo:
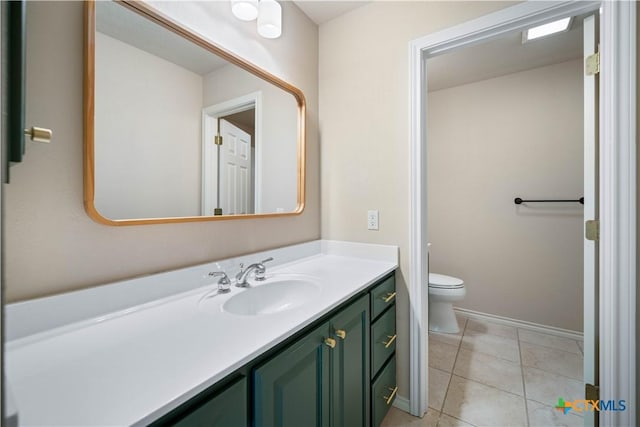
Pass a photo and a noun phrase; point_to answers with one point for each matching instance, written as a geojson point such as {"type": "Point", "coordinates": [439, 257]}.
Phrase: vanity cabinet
{"type": "Point", "coordinates": [320, 380]}
{"type": "Point", "coordinates": [383, 349]}
{"type": "Point", "coordinates": [339, 371]}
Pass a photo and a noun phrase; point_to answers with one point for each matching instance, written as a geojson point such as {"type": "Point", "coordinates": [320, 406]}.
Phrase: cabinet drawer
{"type": "Point", "coordinates": [382, 296]}
{"type": "Point", "coordinates": [383, 339]}
{"type": "Point", "coordinates": [383, 392]}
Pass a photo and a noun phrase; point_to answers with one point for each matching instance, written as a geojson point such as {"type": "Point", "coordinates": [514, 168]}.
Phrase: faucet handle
{"type": "Point", "coordinates": [261, 269]}
{"type": "Point", "coordinates": [224, 284]}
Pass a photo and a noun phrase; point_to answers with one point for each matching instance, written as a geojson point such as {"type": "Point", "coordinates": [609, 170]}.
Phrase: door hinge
{"type": "Point", "coordinates": [591, 392]}
{"type": "Point", "coordinates": [592, 230]}
{"type": "Point", "coordinates": [592, 64]}
{"type": "Point", "coordinates": [217, 139]}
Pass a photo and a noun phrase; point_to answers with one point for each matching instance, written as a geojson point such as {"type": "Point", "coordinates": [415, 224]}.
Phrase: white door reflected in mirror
{"type": "Point", "coordinates": [235, 192]}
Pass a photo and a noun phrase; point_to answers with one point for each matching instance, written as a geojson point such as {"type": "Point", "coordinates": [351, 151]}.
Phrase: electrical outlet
{"type": "Point", "coordinates": [372, 220]}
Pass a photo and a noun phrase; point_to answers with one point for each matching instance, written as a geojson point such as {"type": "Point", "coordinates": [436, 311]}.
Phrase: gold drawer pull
{"type": "Point", "coordinates": [39, 134]}
{"type": "Point", "coordinates": [341, 333]}
{"type": "Point", "coordinates": [392, 338]}
{"type": "Point", "coordinates": [393, 391]}
{"type": "Point", "coordinates": [330, 342]}
{"type": "Point", "coordinates": [389, 297]}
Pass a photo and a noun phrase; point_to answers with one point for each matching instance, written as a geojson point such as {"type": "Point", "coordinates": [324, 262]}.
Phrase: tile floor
{"type": "Point", "coordinates": [495, 375]}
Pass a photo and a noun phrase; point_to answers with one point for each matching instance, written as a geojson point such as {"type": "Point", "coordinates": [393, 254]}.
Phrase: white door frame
{"type": "Point", "coordinates": [617, 187]}
{"type": "Point", "coordinates": [590, 210]}
{"type": "Point", "coordinates": [210, 117]}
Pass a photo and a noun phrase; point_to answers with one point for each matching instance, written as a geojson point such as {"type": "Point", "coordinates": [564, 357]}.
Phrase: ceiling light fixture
{"type": "Point", "coordinates": [540, 31]}
{"type": "Point", "coordinates": [270, 19]}
{"type": "Point", "coordinates": [268, 13]}
{"type": "Point", "coordinates": [245, 10]}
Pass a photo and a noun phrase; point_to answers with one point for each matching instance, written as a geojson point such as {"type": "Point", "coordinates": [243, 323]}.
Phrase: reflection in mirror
{"type": "Point", "coordinates": [181, 133]}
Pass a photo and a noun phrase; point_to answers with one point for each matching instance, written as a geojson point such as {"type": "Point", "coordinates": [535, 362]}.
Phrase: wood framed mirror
{"type": "Point", "coordinates": [177, 129]}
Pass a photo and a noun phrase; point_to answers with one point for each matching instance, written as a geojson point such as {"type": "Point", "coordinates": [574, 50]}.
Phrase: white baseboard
{"type": "Point", "coordinates": [565, 333]}
{"type": "Point", "coordinates": [402, 403]}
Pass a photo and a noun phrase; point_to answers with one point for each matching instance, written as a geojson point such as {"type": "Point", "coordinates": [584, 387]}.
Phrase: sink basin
{"type": "Point", "coordinates": [274, 296]}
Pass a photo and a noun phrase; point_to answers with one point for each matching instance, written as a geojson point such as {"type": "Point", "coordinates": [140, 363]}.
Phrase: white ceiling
{"type": "Point", "coordinates": [501, 56]}
{"type": "Point", "coordinates": [321, 11]}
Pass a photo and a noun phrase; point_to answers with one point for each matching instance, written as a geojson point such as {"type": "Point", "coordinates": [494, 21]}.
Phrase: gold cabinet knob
{"type": "Point", "coordinates": [389, 398]}
{"type": "Point", "coordinates": [389, 296]}
{"type": "Point", "coordinates": [330, 342]}
{"type": "Point", "coordinates": [341, 333]}
{"type": "Point", "coordinates": [39, 134]}
{"type": "Point", "coordinates": [392, 338]}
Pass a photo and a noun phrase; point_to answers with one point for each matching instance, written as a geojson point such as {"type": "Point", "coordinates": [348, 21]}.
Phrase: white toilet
{"type": "Point", "coordinates": [443, 292]}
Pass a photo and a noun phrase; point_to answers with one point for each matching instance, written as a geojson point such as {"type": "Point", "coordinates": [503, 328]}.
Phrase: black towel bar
{"type": "Point", "coordinates": [519, 201]}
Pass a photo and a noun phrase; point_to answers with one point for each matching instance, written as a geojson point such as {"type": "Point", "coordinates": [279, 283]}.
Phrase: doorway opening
{"type": "Point", "coordinates": [617, 173]}
{"type": "Point", "coordinates": [231, 148]}
{"type": "Point", "coordinates": [505, 120]}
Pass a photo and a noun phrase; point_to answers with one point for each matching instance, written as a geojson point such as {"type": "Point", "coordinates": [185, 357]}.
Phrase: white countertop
{"type": "Point", "coordinates": [132, 366]}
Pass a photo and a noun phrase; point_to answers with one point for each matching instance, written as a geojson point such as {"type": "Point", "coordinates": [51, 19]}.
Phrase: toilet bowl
{"type": "Point", "coordinates": [443, 292]}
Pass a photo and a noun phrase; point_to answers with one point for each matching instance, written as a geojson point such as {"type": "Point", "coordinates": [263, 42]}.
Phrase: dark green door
{"type": "Point", "coordinates": [292, 389]}
{"type": "Point", "coordinates": [227, 408]}
{"type": "Point", "coordinates": [350, 365]}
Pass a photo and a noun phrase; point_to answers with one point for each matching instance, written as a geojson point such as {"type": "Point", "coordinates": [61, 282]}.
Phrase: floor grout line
{"type": "Point", "coordinates": [552, 348]}
{"type": "Point", "coordinates": [488, 385]}
{"type": "Point", "coordinates": [524, 384]}
{"type": "Point", "coordinates": [553, 373]}
{"type": "Point", "coordinates": [446, 393]}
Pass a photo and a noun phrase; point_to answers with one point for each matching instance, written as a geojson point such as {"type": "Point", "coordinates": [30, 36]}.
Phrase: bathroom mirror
{"type": "Point", "coordinates": [179, 129]}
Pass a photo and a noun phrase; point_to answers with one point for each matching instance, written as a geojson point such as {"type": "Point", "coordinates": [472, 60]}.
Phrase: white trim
{"type": "Point", "coordinates": [210, 115]}
{"type": "Point", "coordinates": [402, 403]}
{"type": "Point", "coordinates": [418, 272]}
{"type": "Point", "coordinates": [617, 208]}
{"type": "Point", "coordinates": [522, 324]}
{"type": "Point", "coordinates": [590, 184]}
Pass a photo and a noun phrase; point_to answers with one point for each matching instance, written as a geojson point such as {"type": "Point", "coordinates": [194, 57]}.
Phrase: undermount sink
{"type": "Point", "coordinates": [275, 295]}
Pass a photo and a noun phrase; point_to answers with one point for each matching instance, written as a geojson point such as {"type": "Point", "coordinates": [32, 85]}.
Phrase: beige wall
{"type": "Point", "coordinates": [51, 244]}
{"type": "Point", "coordinates": [488, 142]}
{"type": "Point", "coordinates": [364, 126]}
{"type": "Point", "coordinates": [147, 134]}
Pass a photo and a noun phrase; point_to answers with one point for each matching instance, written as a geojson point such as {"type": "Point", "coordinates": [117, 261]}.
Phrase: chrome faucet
{"type": "Point", "coordinates": [224, 284]}
{"type": "Point", "coordinates": [258, 267]}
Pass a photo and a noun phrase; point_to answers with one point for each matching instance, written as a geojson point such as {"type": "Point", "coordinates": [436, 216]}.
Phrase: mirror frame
{"type": "Point", "coordinates": [89, 119]}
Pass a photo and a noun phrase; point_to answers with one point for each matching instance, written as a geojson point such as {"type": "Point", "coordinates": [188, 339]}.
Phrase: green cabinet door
{"type": "Point", "coordinates": [292, 389]}
{"type": "Point", "coordinates": [350, 365]}
{"type": "Point", "coordinates": [224, 407]}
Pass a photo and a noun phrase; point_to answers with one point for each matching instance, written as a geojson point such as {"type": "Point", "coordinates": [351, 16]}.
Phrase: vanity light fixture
{"type": "Point", "coordinates": [245, 10]}
{"type": "Point", "coordinates": [561, 25]}
{"type": "Point", "coordinates": [268, 13]}
{"type": "Point", "coordinates": [270, 19]}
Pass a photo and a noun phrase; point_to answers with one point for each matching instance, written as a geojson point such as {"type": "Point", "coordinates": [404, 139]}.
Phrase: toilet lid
{"type": "Point", "coordinates": [442, 281]}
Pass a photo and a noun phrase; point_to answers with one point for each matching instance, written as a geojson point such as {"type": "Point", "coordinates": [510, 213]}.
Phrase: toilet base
{"type": "Point", "coordinates": [442, 318]}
